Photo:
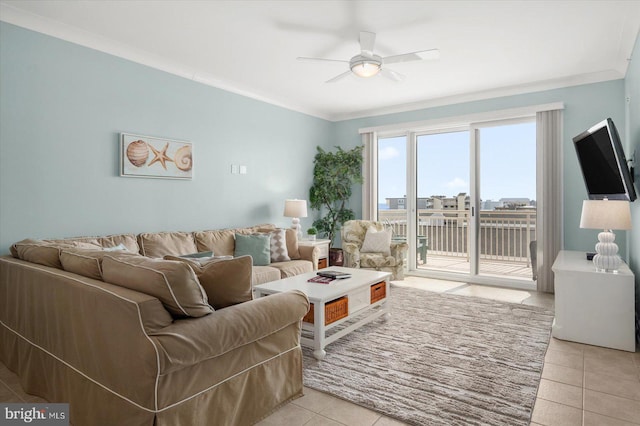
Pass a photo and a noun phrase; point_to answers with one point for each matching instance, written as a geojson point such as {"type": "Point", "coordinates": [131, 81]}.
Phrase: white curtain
{"type": "Point", "coordinates": [549, 195]}
{"type": "Point", "coordinates": [370, 175]}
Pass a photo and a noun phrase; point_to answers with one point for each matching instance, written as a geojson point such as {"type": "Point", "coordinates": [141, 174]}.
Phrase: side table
{"type": "Point", "coordinates": [323, 247]}
{"type": "Point", "coordinates": [596, 308]}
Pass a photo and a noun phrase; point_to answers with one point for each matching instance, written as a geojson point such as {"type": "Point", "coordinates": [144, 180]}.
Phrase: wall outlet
{"type": "Point", "coordinates": [235, 169]}
{"type": "Point", "coordinates": [243, 170]}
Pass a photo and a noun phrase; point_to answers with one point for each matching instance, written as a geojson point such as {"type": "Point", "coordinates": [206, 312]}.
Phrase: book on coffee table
{"type": "Point", "coordinates": [334, 274]}
{"type": "Point", "coordinates": [320, 280]}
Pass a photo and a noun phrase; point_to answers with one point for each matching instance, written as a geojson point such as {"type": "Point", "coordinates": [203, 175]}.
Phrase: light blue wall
{"type": "Point", "coordinates": [584, 106]}
{"type": "Point", "coordinates": [632, 89]}
{"type": "Point", "coordinates": [62, 109]}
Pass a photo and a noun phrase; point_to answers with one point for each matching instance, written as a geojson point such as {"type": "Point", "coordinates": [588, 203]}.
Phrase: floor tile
{"type": "Point", "coordinates": [314, 400]}
{"type": "Point", "coordinates": [388, 421]}
{"type": "Point", "coordinates": [560, 393]}
{"type": "Point", "coordinates": [566, 346]}
{"type": "Point", "coordinates": [612, 406]}
{"type": "Point", "coordinates": [318, 420]}
{"type": "Point", "coordinates": [429, 284]}
{"type": "Point", "coordinates": [542, 300]}
{"type": "Point", "coordinates": [350, 414]}
{"type": "Point", "coordinates": [564, 359]}
{"type": "Point", "coordinates": [626, 388]}
{"type": "Point", "coordinates": [494, 293]}
{"type": "Point", "coordinates": [594, 419]}
{"type": "Point", "coordinates": [558, 373]}
{"type": "Point", "coordinates": [613, 367]}
{"type": "Point", "coordinates": [608, 354]}
{"type": "Point", "coordinates": [7, 395]}
{"type": "Point", "coordinates": [549, 413]}
{"type": "Point", "coordinates": [290, 415]}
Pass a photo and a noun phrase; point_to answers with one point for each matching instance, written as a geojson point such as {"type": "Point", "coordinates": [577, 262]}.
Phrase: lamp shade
{"type": "Point", "coordinates": [295, 208]}
{"type": "Point", "coordinates": [605, 214]}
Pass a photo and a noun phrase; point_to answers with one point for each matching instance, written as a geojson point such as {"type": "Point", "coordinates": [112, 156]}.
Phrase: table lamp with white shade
{"type": "Point", "coordinates": [607, 215]}
{"type": "Point", "coordinates": [295, 209]}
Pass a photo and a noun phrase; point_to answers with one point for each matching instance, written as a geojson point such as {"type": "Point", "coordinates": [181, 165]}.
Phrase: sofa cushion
{"type": "Point", "coordinates": [220, 242]}
{"type": "Point", "coordinates": [127, 240]}
{"type": "Point", "coordinates": [293, 267]}
{"type": "Point", "coordinates": [88, 262]}
{"type": "Point", "coordinates": [227, 282]}
{"type": "Point", "coordinates": [160, 244]}
{"type": "Point", "coordinates": [292, 244]}
{"type": "Point", "coordinates": [174, 283]}
{"type": "Point", "coordinates": [38, 251]}
{"type": "Point", "coordinates": [375, 260]}
{"type": "Point", "coordinates": [265, 274]}
{"type": "Point", "coordinates": [256, 245]}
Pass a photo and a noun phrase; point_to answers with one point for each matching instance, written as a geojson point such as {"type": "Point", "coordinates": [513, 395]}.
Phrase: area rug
{"type": "Point", "coordinates": [441, 359]}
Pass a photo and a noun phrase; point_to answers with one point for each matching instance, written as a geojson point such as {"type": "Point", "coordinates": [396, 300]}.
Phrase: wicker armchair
{"type": "Point", "coordinates": [353, 234]}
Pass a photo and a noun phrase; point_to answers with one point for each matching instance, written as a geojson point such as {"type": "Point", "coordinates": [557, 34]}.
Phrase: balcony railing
{"type": "Point", "coordinates": [505, 235]}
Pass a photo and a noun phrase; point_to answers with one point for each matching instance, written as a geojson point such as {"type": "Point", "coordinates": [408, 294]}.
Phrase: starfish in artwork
{"type": "Point", "coordinates": [160, 156]}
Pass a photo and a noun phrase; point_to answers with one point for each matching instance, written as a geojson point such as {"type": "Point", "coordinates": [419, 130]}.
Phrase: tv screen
{"type": "Point", "coordinates": [604, 166]}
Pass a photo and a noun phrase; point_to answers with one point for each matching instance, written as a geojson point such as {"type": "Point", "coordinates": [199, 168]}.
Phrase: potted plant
{"type": "Point", "coordinates": [311, 233]}
{"type": "Point", "coordinates": [334, 173]}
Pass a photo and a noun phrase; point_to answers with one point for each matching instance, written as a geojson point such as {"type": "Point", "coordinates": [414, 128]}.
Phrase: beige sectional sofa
{"type": "Point", "coordinates": [133, 338]}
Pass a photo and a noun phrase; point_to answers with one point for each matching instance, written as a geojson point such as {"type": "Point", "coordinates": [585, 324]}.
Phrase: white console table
{"type": "Point", "coordinates": [596, 308]}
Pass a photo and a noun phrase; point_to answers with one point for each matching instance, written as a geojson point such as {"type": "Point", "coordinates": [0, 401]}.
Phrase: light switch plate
{"type": "Point", "coordinates": [235, 169]}
{"type": "Point", "coordinates": [243, 170]}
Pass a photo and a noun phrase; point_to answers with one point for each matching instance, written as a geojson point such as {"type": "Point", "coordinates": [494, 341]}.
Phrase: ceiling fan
{"type": "Point", "coordinates": [367, 64]}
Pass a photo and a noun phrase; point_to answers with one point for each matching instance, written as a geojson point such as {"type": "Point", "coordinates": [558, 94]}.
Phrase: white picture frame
{"type": "Point", "coordinates": [152, 157]}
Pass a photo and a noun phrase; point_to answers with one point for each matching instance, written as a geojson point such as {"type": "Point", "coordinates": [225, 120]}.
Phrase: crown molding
{"type": "Point", "coordinates": [87, 39]}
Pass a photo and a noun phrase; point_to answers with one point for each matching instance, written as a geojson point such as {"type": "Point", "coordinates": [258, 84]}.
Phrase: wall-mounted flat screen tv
{"type": "Point", "coordinates": [604, 166]}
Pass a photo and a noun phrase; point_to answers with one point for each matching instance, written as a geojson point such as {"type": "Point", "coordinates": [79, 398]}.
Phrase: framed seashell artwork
{"type": "Point", "coordinates": [151, 157]}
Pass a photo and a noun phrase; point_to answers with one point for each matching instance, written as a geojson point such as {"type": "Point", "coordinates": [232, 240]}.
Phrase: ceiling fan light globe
{"type": "Point", "coordinates": [365, 69]}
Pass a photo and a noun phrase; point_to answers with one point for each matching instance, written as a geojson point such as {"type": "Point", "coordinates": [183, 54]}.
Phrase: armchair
{"type": "Point", "coordinates": [353, 235]}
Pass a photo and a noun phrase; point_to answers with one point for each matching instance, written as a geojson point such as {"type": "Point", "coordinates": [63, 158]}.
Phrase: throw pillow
{"type": "Point", "coordinates": [174, 283]}
{"type": "Point", "coordinates": [226, 282]}
{"type": "Point", "coordinates": [257, 246]}
{"type": "Point", "coordinates": [278, 246]}
{"type": "Point", "coordinates": [377, 242]}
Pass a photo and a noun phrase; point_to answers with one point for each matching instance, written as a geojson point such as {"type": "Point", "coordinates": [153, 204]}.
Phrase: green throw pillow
{"type": "Point", "coordinates": [257, 246]}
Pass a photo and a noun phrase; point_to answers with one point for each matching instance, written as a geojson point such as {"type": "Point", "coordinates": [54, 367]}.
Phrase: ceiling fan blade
{"type": "Point", "coordinates": [339, 77]}
{"type": "Point", "coordinates": [305, 59]}
{"type": "Point", "coordinates": [413, 56]}
{"type": "Point", "coordinates": [367, 41]}
{"type": "Point", "coordinates": [391, 75]}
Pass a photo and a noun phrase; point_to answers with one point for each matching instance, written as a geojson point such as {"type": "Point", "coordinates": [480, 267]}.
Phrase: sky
{"type": "Point", "coordinates": [507, 163]}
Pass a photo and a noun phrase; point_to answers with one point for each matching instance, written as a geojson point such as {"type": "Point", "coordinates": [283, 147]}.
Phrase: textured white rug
{"type": "Point", "coordinates": [441, 359]}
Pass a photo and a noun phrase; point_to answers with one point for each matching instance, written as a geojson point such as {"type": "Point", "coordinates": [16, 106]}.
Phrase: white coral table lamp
{"type": "Point", "coordinates": [295, 209]}
{"type": "Point", "coordinates": [607, 215]}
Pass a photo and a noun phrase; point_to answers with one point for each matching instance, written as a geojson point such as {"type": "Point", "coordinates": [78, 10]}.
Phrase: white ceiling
{"type": "Point", "coordinates": [487, 48]}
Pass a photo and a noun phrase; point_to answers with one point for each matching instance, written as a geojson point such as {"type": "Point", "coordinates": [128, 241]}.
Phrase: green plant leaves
{"type": "Point", "coordinates": [334, 174]}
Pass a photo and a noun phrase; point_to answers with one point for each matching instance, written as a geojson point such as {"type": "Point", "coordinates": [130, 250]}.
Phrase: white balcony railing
{"type": "Point", "coordinates": [505, 235]}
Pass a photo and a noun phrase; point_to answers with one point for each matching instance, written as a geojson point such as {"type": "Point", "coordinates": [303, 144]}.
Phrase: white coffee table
{"type": "Point", "coordinates": [367, 303]}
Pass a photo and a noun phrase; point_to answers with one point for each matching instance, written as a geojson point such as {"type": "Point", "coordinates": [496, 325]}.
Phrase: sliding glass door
{"type": "Point", "coordinates": [506, 159]}
{"type": "Point", "coordinates": [463, 198]}
{"type": "Point", "coordinates": [442, 202]}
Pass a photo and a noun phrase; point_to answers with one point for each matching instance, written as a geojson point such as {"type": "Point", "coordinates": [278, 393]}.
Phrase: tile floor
{"type": "Point", "coordinates": [581, 385]}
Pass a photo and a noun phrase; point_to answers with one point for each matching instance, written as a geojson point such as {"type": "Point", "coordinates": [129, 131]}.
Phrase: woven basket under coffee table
{"type": "Point", "coordinates": [343, 305]}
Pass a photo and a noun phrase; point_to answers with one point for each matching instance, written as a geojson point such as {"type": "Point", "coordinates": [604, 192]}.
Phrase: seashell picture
{"type": "Point", "coordinates": [151, 157]}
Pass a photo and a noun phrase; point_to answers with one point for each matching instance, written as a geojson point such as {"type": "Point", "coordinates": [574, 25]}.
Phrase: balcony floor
{"type": "Point", "coordinates": [510, 269]}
